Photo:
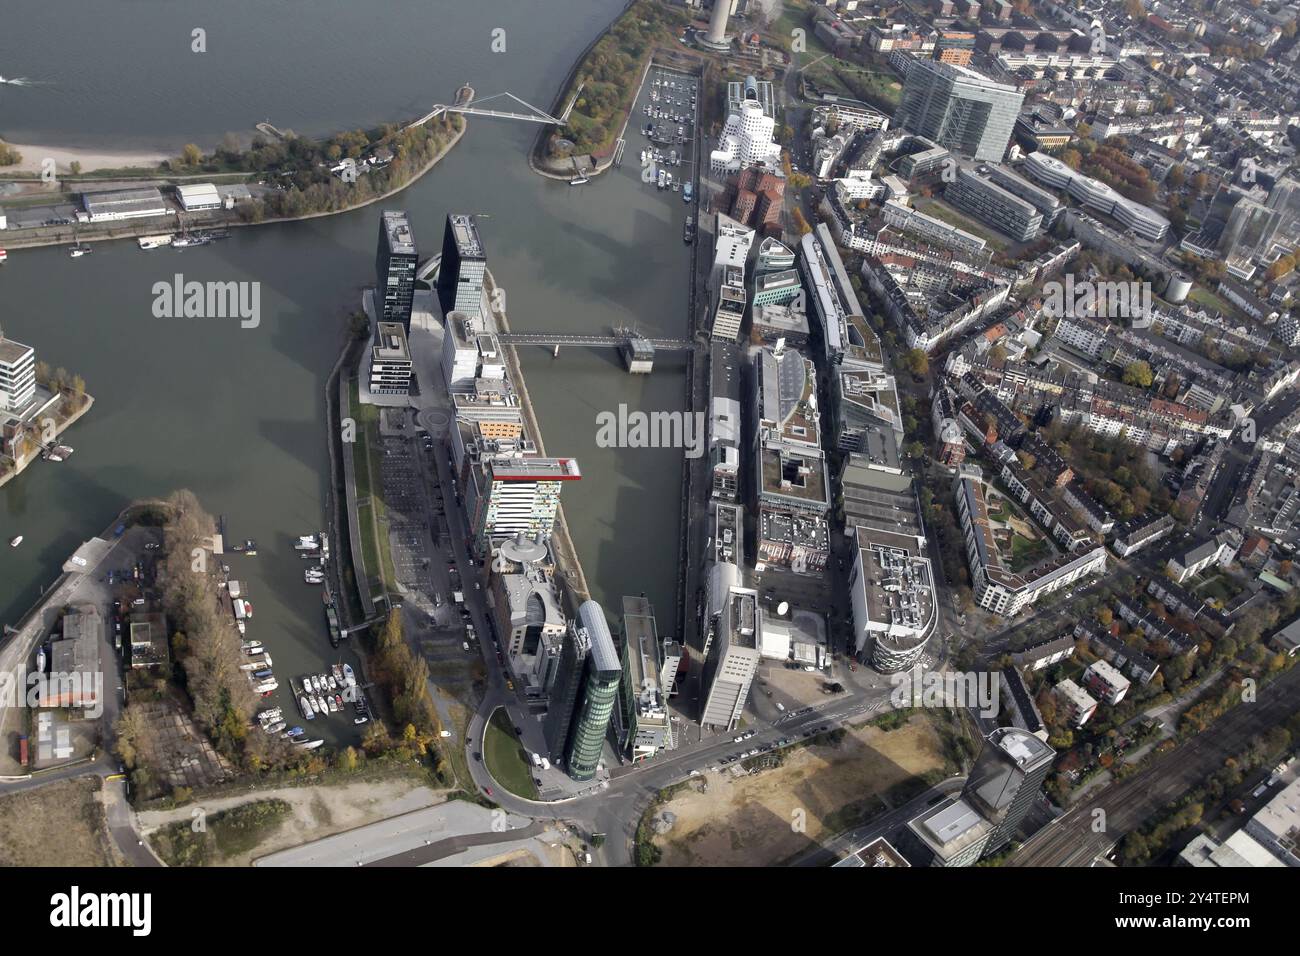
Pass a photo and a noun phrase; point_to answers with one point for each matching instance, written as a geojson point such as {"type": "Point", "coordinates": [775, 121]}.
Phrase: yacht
{"type": "Point", "coordinates": [307, 542]}
{"type": "Point", "coordinates": [349, 678]}
{"type": "Point", "coordinates": [16, 541]}
{"type": "Point", "coordinates": [276, 727]}
{"type": "Point", "coordinates": [309, 744]}
{"type": "Point", "coordinates": [79, 250]}
{"type": "Point", "coordinates": [154, 242]}
{"type": "Point", "coordinates": [3, 256]}
{"type": "Point", "coordinates": [579, 181]}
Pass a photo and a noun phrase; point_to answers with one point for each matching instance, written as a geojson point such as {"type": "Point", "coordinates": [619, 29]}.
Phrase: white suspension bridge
{"type": "Point", "coordinates": [467, 105]}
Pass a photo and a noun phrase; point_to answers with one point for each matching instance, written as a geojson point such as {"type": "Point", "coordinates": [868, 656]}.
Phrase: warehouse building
{"type": "Point", "coordinates": [198, 196]}
{"type": "Point", "coordinates": [123, 204]}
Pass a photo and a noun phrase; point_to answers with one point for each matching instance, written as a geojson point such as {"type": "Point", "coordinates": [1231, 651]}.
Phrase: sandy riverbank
{"type": "Point", "coordinates": [90, 159]}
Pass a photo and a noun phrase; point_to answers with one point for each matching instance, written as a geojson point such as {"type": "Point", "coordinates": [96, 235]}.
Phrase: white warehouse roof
{"type": "Point", "coordinates": [198, 195]}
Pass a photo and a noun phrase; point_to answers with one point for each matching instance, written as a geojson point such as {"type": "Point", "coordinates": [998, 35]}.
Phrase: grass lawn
{"type": "Point", "coordinates": [795, 17]}
{"type": "Point", "coordinates": [1204, 297]}
{"type": "Point", "coordinates": [1025, 552]}
{"type": "Point", "coordinates": [225, 834]}
{"type": "Point", "coordinates": [371, 513]}
{"type": "Point", "coordinates": [941, 210]}
{"type": "Point", "coordinates": [505, 757]}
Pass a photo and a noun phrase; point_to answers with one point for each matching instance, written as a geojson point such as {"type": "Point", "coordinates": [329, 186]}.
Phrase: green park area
{"type": "Point", "coordinates": [505, 757]}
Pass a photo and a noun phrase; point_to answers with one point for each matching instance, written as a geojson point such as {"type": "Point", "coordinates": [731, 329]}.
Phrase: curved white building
{"type": "Point", "coordinates": [746, 140]}
{"type": "Point", "coordinates": [1142, 220]}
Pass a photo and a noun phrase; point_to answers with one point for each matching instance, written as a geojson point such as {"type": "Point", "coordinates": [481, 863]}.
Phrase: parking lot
{"type": "Point", "coordinates": [666, 114]}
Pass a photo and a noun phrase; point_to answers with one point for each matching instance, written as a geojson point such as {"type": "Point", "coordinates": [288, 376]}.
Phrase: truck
{"type": "Point", "coordinates": [458, 597]}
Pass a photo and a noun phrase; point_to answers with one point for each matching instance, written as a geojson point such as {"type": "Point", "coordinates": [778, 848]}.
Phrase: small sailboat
{"type": "Point", "coordinates": [16, 541]}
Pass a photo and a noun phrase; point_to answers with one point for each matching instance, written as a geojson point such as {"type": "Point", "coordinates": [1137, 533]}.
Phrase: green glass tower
{"type": "Point", "coordinates": [597, 695]}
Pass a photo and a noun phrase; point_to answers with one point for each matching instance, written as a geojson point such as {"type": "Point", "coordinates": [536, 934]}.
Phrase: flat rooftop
{"type": "Point", "coordinates": [397, 226]}
{"type": "Point", "coordinates": [12, 352]}
{"type": "Point", "coordinates": [536, 469]}
{"type": "Point", "coordinates": [390, 342]}
{"type": "Point", "coordinates": [464, 233]}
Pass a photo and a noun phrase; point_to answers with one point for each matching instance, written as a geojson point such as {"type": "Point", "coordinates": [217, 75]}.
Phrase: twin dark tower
{"type": "Point", "coordinates": [460, 277]}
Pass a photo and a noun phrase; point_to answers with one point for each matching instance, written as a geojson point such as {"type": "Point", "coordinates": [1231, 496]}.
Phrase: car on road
{"type": "Point", "coordinates": [488, 791]}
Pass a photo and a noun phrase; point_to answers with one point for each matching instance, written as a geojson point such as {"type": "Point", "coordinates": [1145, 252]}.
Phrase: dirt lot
{"type": "Point", "coordinates": [747, 821]}
{"type": "Point", "coordinates": [316, 812]}
{"type": "Point", "coordinates": [58, 825]}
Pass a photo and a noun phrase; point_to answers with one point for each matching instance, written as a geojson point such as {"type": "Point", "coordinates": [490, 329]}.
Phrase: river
{"type": "Point", "coordinates": [236, 414]}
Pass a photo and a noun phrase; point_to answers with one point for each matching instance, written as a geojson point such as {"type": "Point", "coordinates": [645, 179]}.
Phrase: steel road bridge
{"type": "Point", "coordinates": [618, 339]}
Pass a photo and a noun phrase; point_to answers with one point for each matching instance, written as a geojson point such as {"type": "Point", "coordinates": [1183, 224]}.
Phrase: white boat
{"type": "Point", "coordinates": [307, 710]}
{"type": "Point", "coordinates": [307, 542]}
{"type": "Point", "coordinates": [16, 541]}
{"type": "Point", "coordinates": [315, 683]}
{"type": "Point", "coordinates": [360, 720]}
{"type": "Point", "coordinates": [183, 242]}
{"type": "Point", "coordinates": [154, 242]}
{"type": "Point", "coordinates": [3, 257]}
{"type": "Point", "coordinates": [79, 250]}
{"type": "Point", "coordinates": [267, 686]}
{"type": "Point", "coordinates": [271, 714]}
{"type": "Point", "coordinates": [348, 676]}
{"type": "Point", "coordinates": [251, 647]}
{"type": "Point", "coordinates": [334, 684]}
{"type": "Point", "coordinates": [579, 181]}
{"type": "Point", "coordinates": [321, 706]}
{"type": "Point", "coordinates": [309, 744]}
{"type": "Point", "coordinates": [332, 704]}
{"type": "Point", "coordinates": [276, 727]}
{"type": "Point", "coordinates": [243, 628]}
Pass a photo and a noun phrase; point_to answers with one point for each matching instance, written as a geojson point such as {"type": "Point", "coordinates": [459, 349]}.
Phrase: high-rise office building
{"type": "Point", "coordinates": [584, 695]}
{"type": "Point", "coordinates": [564, 692]}
{"type": "Point", "coordinates": [1006, 780]}
{"type": "Point", "coordinates": [597, 697]}
{"type": "Point", "coordinates": [460, 275]}
{"type": "Point", "coordinates": [730, 668]}
{"type": "Point", "coordinates": [17, 376]}
{"type": "Point", "coordinates": [959, 109]}
{"type": "Point", "coordinates": [512, 496]}
{"type": "Point", "coordinates": [395, 263]}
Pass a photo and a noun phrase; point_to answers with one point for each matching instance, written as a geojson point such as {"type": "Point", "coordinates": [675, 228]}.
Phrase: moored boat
{"type": "Point", "coordinates": [349, 677]}
{"type": "Point", "coordinates": [309, 744]}
{"type": "Point", "coordinates": [304, 704]}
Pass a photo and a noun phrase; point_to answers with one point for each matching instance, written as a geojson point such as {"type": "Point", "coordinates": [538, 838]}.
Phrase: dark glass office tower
{"type": "Point", "coordinates": [460, 275]}
{"type": "Point", "coordinates": [564, 695]}
{"type": "Point", "coordinates": [395, 264]}
{"type": "Point", "coordinates": [599, 695]}
{"type": "Point", "coordinates": [1007, 778]}
{"type": "Point", "coordinates": [959, 109]}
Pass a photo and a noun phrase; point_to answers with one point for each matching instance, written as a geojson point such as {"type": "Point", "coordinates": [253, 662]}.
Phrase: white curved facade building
{"type": "Point", "coordinates": [1141, 220]}
{"type": "Point", "coordinates": [746, 140]}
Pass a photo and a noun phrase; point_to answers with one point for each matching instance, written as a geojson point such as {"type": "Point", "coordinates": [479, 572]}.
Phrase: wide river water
{"type": "Point", "coordinates": [237, 415]}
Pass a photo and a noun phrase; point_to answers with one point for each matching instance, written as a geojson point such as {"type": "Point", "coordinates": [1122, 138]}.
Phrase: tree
{"type": "Point", "coordinates": [75, 168]}
{"type": "Point", "coordinates": [1138, 374]}
{"type": "Point", "coordinates": [191, 155]}
{"type": "Point", "coordinates": [917, 362]}
{"type": "Point", "coordinates": [9, 156]}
